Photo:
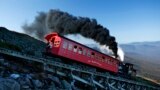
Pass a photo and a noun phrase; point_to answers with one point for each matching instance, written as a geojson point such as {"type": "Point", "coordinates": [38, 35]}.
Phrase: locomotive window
{"type": "Point", "coordinates": [84, 52]}
{"type": "Point", "coordinates": [75, 48]}
{"type": "Point", "coordinates": [70, 46]}
{"type": "Point", "coordinates": [64, 44]}
{"type": "Point", "coordinates": [80, 50]}
{"type": "Point", "coordinates": [88, 54]}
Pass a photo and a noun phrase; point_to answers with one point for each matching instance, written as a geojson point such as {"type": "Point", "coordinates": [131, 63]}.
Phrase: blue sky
{"type": "Point", "coordinates": [127, 20]}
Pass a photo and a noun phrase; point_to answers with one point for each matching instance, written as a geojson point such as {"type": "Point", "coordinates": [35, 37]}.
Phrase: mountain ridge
{"type": "Point", "coordinates": [145, 56]}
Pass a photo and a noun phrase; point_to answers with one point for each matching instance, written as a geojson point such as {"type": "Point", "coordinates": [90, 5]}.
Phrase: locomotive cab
{"type": "Point", "coordinates": [127, 69]}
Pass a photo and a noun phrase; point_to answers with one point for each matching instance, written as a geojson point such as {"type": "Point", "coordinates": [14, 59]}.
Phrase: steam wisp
{"type": "Point", "coordinates": [94, 45]}
{"type": "Point", "coordinates": [64, 24]}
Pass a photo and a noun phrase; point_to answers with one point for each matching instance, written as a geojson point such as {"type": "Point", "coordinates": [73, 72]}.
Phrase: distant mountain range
{"type": "Point", "coordinates": [148, 50]}
{"type": "Point", "coordinates": [145, 56]}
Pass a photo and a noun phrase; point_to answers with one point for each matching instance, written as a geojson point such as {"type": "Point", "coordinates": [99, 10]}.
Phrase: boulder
{"type": "Point", "coordinates": [9, 84]}
{"type": "Point", "coordinates": [66, 85]}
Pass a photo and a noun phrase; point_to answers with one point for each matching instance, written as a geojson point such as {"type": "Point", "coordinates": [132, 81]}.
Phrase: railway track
{"type": "Point", "coordinates": [82, 76]}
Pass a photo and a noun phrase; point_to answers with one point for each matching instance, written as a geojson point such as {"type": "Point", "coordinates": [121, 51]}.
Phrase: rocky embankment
{"type": "Point", "coordinates": [14, 76]}
{"type": "Point", "coordinates": [18, 76]}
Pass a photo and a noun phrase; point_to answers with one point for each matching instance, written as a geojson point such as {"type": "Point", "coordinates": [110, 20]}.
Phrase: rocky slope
{"type": "Point", "coordinates": [21, 42]}
{"type": "Point", "coordinates": [16, 74]}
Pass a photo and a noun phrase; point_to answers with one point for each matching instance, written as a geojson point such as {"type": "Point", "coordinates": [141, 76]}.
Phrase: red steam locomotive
{"type": "Point", "coordinates": [64, 47]}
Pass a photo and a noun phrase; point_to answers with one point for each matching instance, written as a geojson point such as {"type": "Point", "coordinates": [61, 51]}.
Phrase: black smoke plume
{"type": "Point", "coordinates": [64, 23]}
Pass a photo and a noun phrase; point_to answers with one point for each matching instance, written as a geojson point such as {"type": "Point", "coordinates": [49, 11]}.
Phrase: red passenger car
{"type": "Point", "coordinates": [64, 47]}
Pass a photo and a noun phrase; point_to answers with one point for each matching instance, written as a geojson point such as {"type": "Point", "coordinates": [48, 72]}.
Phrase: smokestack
{"type": "Point", "coordinates": [64, 24]}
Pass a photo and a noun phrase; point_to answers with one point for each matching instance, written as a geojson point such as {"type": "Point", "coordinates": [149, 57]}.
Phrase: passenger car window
{"type": "Point", "coordinates": [80, 50]}
{"type": "Point", "coordinates": [96, 56]}
{"type": "Point", "coordinates": [84, 52]}
{"type": "Point", "coordinates": [75, 49]}
{"type": "Point", "coordinates": [92, 55]}
{"type": "Point", "coordinates": [103, 59]}
{"type": "Point", "coordinates": [70, 46]}
{"type": "Point", "coordinates": [111, 62]}
{"type": "Point", "coordinates": [88, 54]}
{"type": "Point", "coordinates": [106, 60]}
{"type": "Point", "coordinates": [64, 44]}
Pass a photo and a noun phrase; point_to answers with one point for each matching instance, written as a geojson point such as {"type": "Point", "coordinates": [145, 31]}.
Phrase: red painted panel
{"type": "Point", "coordinates": [64, 51]}
{"type": "Point", "coordinates": [84, 58]}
